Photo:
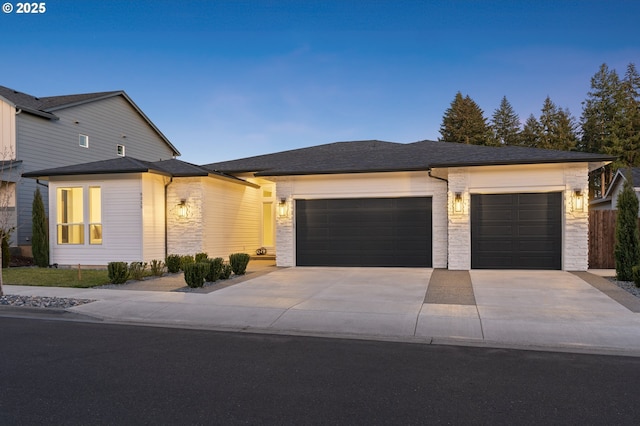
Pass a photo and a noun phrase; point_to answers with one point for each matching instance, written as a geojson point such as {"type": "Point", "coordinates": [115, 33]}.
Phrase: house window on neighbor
{"type": "Point", "coordinates": [121, 150]}
{"type": "Point", "coordinates": [70, 216]}
{"type": "Point", "coordinates": [95, 215]}
{"type": "Point", "coordinates": [84, 141]}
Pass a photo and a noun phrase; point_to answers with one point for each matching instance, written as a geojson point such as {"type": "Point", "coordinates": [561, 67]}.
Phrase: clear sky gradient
{"type": "Point", "coordinates": [230, 79]}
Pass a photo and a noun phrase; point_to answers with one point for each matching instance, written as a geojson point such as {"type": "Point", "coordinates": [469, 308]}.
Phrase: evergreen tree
{"type": "Point", "coordinates": [531, 132]}
{"type": "Point", "coordinates": [601, 113]}
{"type": "Point", "coordinates": [40, 242]}
{"type": "Point", "coordinates": [464, 122]}
{"type": "Point", "coordinates": [627, 248]}
{"type": "Point", "coordinates": [557, 128]}
{"type": "Point", "coordinates": [628, 129]}
{"type": "Point", "coordinates": [505, 124]}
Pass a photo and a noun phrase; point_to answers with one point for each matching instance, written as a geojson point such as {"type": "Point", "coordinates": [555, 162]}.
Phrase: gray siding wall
{"type": "Point", "coordinates": [43, 144]}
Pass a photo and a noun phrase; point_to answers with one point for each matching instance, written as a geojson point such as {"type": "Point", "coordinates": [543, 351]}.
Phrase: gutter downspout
{"type": "Point", "coordinates": [166, 218]}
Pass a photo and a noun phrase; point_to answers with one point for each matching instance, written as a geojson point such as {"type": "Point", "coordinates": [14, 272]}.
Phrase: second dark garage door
{"type": "Point", "coordinates": [364, 232]}
{"type": "Point", "coordinates": [516, 231]}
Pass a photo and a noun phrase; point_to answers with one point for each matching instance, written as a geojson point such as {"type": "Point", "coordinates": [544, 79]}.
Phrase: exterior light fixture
{"type": "Point", "coordinates": [457, 203]}
{"type": "Point", "coordinates": [578, 200]}
{"type": "Point", "coordinates": [282, 207]}
{"type": "Point", "coordinates": [182, 208]}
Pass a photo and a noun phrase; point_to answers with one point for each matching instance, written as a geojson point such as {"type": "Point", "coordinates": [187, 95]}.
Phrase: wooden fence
{"type": "Point", "coordinates": [602, 239]}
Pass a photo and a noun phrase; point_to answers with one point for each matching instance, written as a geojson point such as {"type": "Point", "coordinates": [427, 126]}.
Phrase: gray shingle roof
{"type": "Point", "coordinates": [173, 167]}
{"type": "Point", "coordinates": [379, 156]}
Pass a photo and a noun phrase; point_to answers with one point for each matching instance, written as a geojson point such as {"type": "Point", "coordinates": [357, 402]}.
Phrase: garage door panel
{"type": "Point", "coordinates": [364, 232]}
{"type": "Point", "coordinates": [527, 226]}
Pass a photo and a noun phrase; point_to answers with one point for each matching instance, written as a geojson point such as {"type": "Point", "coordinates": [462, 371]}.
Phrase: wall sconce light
{"type": "Point", "coordinates": [182, 209]}
{"type": "Point", "coordinates": [282, 207]}
{"type": "Point", "coordinates": [578, 200]}
{"type": "Point", "coordinates": [457, 203]}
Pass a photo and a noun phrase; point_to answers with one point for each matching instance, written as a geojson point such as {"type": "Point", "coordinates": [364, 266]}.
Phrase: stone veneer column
{"type": "Point", "coordinates": [459, 235]}
{"type": "Point", "coordinates": [184, 235]}
{"type": "Point", "coordinates": [284, 225]}
{"type": "Point", "coordinates": [576, 223]}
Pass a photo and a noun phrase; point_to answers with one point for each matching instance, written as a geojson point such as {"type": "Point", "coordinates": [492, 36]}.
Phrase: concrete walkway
{"type": "Point", "coordinates": [549, 310]}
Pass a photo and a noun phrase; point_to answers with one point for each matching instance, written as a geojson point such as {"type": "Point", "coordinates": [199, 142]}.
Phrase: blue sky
{"type": "Point", "coordinates": [230, 79]}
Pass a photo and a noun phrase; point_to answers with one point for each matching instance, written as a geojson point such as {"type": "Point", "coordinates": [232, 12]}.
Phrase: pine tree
{"type": "Point", "coordinates": [40, 242]}
{"type": "Point", "coordinates": [464, 122]}
{"type": "Point", "coordinates": [531, 132]}
{"type": "Point", "coordinates": [627, 248]}
{"type": "Point", "coordinates": [601, 113]}
{"type": "Point", "coordinates": [557, 128]}
{"type": "Point", "coordinates": [628, 129]}
{"type": "Point", "coordinates": [505, 124]}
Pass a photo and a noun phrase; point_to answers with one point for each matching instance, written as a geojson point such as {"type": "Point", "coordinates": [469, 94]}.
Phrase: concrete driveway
{"type": "Point", "coordinates": [529, 309]}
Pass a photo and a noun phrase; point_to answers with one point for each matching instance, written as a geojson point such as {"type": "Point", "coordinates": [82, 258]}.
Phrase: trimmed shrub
{"type": "Point", "coordinates": [185, 260]}
{"type": "Point", "coordinates": [195, 274]}
{"type": "Point", "coordinates": [225, 273]}
{"type": "Point", "coordinates": [627, 248]}
{"type": "Point", "coordinates": [118, 272]}
{"type": "Point", "coordinates": [201, 257]}
{"type": "Point", "coordinates": [636, 275]}
{"type": "Point", "coordinates": [173, 263]}
{"type": "Point", "coordinates": [6, 253]}
{"type": "Point", "coordinates": [39, 239]}
{"type": "Point", "coordinates": [136, 270]}
{"type": "Point", "coordinates": [215, 269]}
{"type": "Point", "coordinates": [157, 268]}
{"type": "Point", "coordinates": [239, 262]}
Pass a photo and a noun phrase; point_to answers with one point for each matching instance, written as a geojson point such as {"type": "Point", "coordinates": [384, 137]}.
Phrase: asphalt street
{"type": "Point", "coordinates": [64, 372]}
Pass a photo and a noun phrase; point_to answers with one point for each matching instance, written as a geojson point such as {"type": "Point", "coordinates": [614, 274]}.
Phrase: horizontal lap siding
{"type": "Point", "coordinates": [232, 219]}
{"type": "Point", "coordinates": [121, 222]}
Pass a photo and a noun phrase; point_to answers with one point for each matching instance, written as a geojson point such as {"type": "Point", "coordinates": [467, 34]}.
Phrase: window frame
{"type": "Point", "coordinates": [80, 139]}
{"type": "Point", "coordinates": [121, 154]}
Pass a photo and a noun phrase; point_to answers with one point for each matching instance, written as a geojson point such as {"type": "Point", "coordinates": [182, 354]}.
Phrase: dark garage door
{"type": "Point", "coordinates": [364, 232]}
{"type": "Point", "coordinates": [516, 231]}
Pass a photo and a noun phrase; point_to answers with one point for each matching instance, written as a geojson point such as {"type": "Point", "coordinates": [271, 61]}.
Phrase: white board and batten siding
{"type": "Point", "coordinates": [222, 217]}
{"type": "Point", "coordinates": [361, 185]}
{"type": "Point", "coordinates": [132, 217]}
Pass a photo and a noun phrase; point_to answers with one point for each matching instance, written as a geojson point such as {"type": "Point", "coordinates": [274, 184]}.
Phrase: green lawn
{"type": "Point", "coordinates": [47, 277]}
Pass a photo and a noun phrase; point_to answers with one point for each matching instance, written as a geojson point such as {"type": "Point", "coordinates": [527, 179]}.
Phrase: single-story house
{"type": "Point", "coordinates": [610, 199]}
{"type": "Point", "coordinates": [361, 203]}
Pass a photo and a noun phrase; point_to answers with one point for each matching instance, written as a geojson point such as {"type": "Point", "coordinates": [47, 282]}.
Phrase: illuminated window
{"type": "Point", "coordinates": [84, 141]}
{"type": "Point", "coordinates": [70, 216]}
{"type": "Point", "coordinates": [95, 215]}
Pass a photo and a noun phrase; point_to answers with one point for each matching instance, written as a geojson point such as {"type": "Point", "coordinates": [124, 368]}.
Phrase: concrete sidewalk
{"type": "Point", "coordinates": [549, 310]}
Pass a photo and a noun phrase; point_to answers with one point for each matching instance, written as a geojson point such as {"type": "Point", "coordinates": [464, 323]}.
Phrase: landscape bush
{"type": "Point", "coordinates": [201, 257]}
{"type": "Point", "coordinates": [239, 262]}
{"type": "Point", "coordinates": [636, 275]}
{"type": "Point", "coordinates": [157, 268]}
{"type": "Point", "coordinates": [185, 260]}
{"type": "Point", "coordinates": [215, 269]}
{"type": "Point", "coordinates": [225, 273]}
{"type": "Point", "coordinates": [118, 272]}
{"type": "Point", "coordinates": [173, 263]}
{"type": "Point", "coordinates": [136, 270]}
{"type": "Point", "coordinates": [195, 274]}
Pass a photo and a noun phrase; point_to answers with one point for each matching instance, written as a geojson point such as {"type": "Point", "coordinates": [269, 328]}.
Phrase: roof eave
{"type": "Point", "coordinates": [523, 162]}
{"type": "Point", "coordinates": [340, 172]}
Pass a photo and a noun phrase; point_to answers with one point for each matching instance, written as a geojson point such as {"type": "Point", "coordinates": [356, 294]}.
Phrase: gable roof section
{"type": "Point", "coordinates": [170, 168]}
{"type": "Point", "coordinates": [45, 107]}
{"type": "Point", "coordinates": [621, 176]}
{"type": "Point", "coordinates": [379, 156]}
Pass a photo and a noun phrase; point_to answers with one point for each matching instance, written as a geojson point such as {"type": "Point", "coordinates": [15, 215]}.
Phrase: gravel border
{"type": "Point", "coordinates": [628, 286]}
{"type": "Point", "coordinates": [42, 302]}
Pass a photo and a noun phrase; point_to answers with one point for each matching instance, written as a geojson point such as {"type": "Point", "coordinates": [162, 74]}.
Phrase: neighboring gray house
{"type": "Point", "coordinates": [610, 199]}
{"type": "Point", "coordinates": [38, 133]}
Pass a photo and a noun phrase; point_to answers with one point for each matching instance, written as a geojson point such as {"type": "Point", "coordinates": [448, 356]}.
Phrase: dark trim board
{"type": "Point", "coordinates": [516, 231]}
{"type": "Point", "coordinates": [364, 232]}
